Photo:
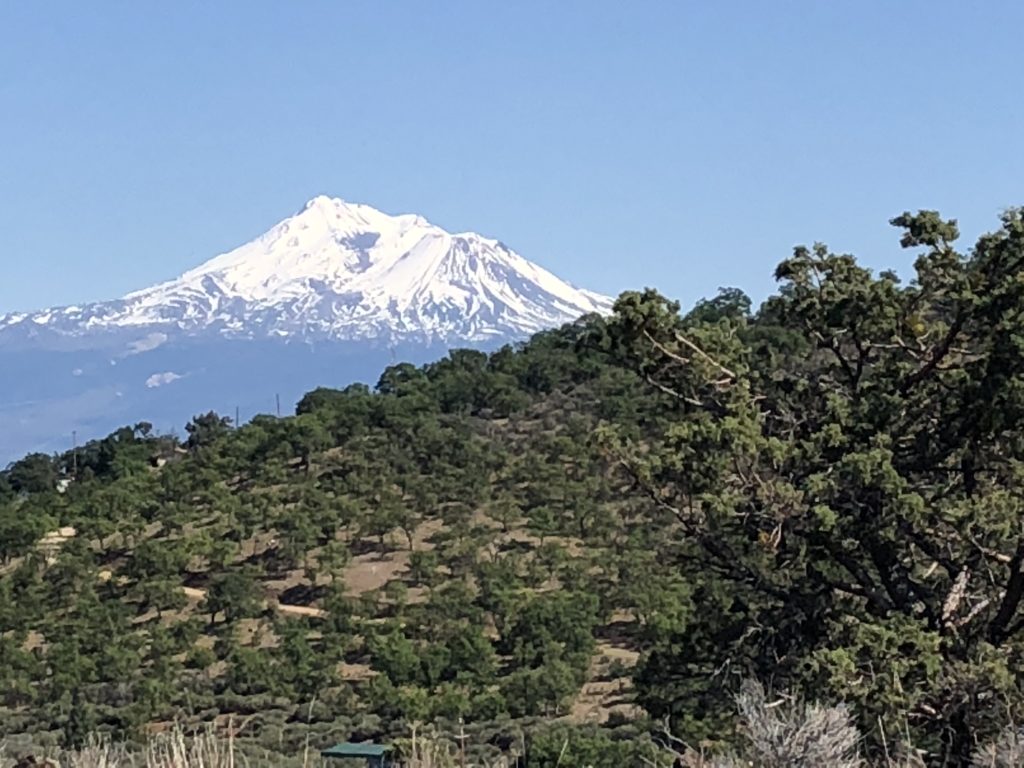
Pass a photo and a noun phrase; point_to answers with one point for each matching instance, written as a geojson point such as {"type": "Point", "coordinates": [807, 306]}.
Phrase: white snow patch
{"type": "Point", "coordinates": [160, 379]}
{"type": "Point", "coordinates": [147, 343]}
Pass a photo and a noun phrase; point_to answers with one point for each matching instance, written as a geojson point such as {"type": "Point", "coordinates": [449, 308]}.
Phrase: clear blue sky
{"type": "Point", "coordinates": [683, 145]}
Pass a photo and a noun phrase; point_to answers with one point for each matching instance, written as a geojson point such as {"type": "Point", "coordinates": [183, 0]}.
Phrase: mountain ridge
{"type": "Point", "coordinates": [347, 272]}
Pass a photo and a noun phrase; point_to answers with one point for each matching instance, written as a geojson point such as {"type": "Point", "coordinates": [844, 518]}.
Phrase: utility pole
{"type": "Point", "coordinates": [462, 743]}
{"type": "Point", "coordinates": [236, 417]}
{"type": "Point", "coordinates": [278, 399]}
{"type": "Point", "coordinates": [74, 453]}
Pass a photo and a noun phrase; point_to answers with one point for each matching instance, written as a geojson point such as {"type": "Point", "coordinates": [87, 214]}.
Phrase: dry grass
{"type": "Point", "coordinates": [780, 734]}
{"type": "Point", "coordinates": [203, 750]}
{"type": "Point", "coordinates": [428, 750]}
{"type": "Point", "coordinates": [174, 749]}
{"type": "Point", "coordinates": [788, 734]}
{"type": "Point", "coordinates": [605, 694]}
{"type": "Point", "coordinates": [170, 750]}
{"type": "Point", "coordinates": [783, 733]}
{"type": "Point", "coordinates": [370, 572]}
{"type": "Point", "coordinates": [1005, 752]}
{"type": "Point", "coordinates": [206, 748]}
{"type": "Point", "coordinates": [777, 734]}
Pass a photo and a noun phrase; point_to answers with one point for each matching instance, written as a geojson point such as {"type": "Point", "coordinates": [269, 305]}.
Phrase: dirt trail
{"type": "Point", "coordinates": [300, 610]}
{"type": "Point", "coordinates": [293, 610]}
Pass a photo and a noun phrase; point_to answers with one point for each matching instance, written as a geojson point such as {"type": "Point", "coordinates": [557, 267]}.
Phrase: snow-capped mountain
{"type": "Point", "coordinates": [327, 297]}
{"type": "Point", "coordinates": [343, 271]}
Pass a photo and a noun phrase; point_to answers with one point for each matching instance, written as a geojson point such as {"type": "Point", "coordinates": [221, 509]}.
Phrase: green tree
{"type": "Point", "coordinates": [205, 430]}
{"type": "Point", "coordinates": [19, 532]}
{"type": "Point", "coordinates": [36, 473]}
{"type": "Point", "coordinates": [843, 471]}
{"type": "Point", "coordinates": [233, 593]}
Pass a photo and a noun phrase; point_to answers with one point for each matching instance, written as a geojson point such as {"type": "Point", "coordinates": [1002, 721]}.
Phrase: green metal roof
{"type": "Point", "coordinates": [366, 749]}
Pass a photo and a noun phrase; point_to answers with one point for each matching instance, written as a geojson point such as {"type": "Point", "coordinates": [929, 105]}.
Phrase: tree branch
{"type": "Point", "coordinates": [684, 360]}
{"type": "Point", "coordinates": [997, 631]}
{"type": "Point", "coordinates": [710, 543]}
{"type": "Point", "coordinates": [938, 354]}
{"type": "Point", "coordinates": [672, 393]}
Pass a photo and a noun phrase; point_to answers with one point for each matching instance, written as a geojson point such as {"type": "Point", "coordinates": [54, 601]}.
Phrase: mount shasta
{"type": "Point", "coordinates": [328, 296]}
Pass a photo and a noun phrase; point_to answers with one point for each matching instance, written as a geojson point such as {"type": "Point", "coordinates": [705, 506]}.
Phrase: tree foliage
{"type": "Point", "coordinates": [843, 472]}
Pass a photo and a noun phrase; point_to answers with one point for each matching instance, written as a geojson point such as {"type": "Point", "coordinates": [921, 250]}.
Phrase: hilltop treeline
{"type": "Point", "coordinates": [616, 522]}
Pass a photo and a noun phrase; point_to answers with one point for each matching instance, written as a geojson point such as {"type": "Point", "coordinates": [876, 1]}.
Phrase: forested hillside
{"type": "Point", "coordinates": [613, 524]}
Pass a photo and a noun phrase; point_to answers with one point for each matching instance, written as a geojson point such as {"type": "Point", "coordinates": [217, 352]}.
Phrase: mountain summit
{"type": "Point", "coordinates": [346, 272]}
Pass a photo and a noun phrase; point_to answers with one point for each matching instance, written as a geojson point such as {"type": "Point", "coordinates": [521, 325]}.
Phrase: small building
{"type": "Point", "coordinates": [375, 755]}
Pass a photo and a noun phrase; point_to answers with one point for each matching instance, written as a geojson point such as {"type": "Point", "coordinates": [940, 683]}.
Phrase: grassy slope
{"type": "Point", "coordinates": [200, 497]}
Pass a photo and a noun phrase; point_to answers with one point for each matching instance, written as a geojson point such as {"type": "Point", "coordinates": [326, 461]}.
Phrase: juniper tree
{"type": "Point", "coordinates": [842, 472]}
